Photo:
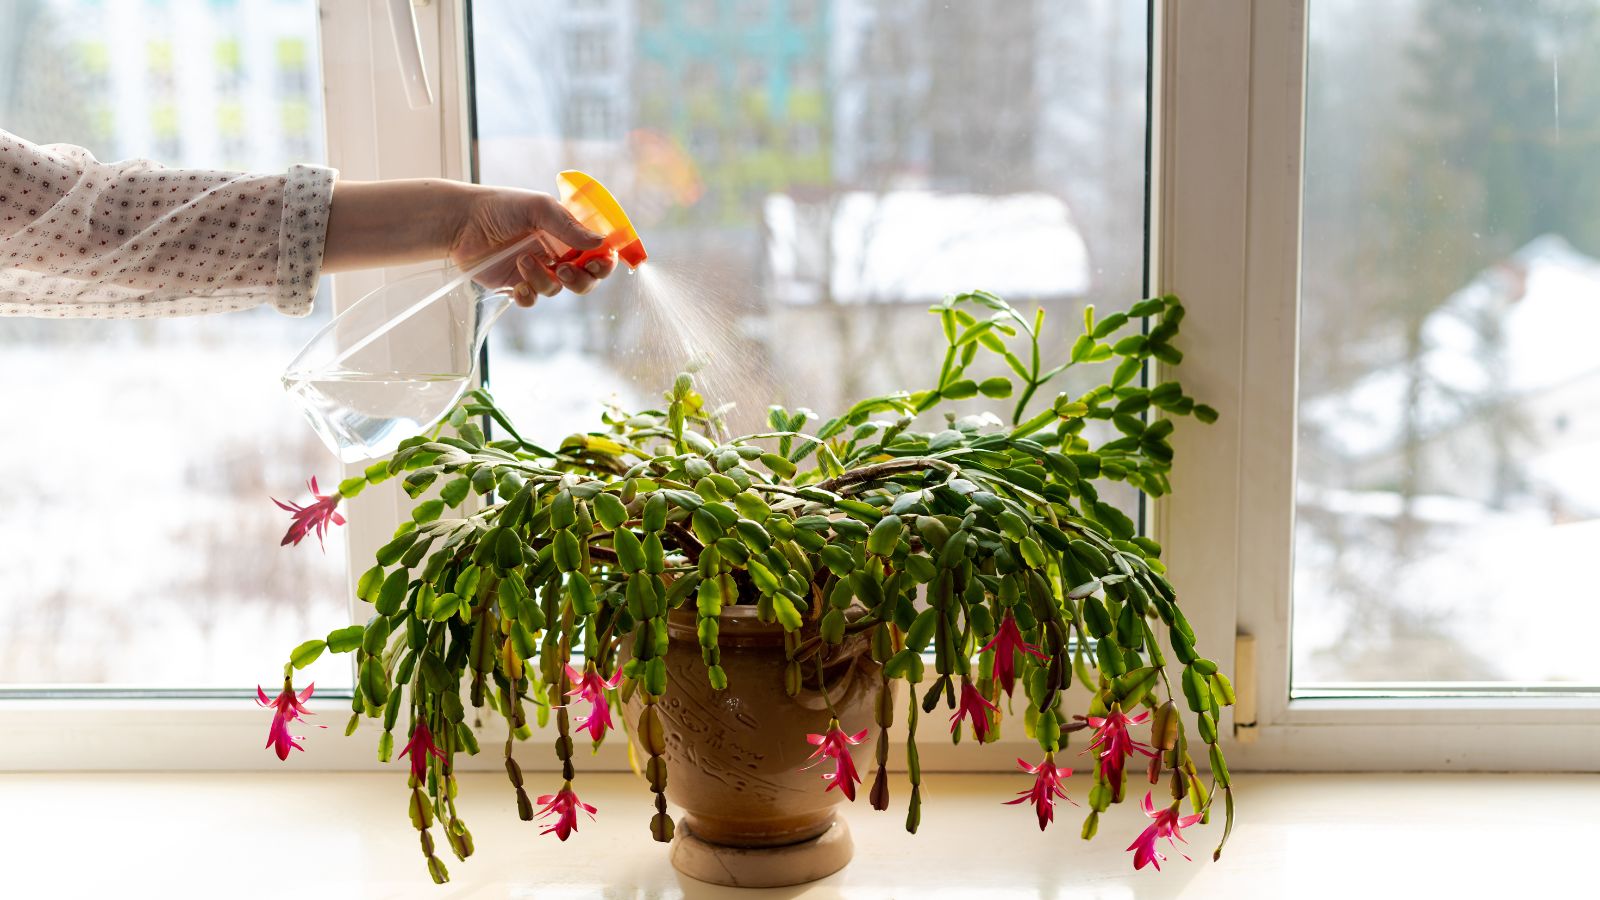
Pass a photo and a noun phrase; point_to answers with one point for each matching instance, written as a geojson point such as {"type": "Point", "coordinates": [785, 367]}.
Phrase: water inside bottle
{"type": "Point", "coordinates": [363, 415]}
{"type": "Point", "coordinates": [394, 364]}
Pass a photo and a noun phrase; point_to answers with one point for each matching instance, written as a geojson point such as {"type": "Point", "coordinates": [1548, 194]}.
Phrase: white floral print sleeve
{"type": "Point", "coordinates": [133, 239]}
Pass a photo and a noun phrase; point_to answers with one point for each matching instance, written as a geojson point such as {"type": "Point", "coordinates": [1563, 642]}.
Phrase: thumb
{"type": "Point", "coordinates": [554, 219]}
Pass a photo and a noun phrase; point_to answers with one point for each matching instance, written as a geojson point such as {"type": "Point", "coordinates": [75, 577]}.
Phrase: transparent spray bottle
{"type": "Point", "coordinates": [395, 362]}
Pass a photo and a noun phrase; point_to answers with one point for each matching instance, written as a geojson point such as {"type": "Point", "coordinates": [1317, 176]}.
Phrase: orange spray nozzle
{"type": "Point", "coordinates": [595, 209]}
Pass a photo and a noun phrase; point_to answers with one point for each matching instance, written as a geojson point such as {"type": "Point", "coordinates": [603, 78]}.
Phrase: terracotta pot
{"type": "Point", "coordinates": [734, 757]}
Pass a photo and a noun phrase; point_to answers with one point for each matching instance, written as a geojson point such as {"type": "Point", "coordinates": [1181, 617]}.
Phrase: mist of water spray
{"type": "Point", "coordinates": [692, 323]}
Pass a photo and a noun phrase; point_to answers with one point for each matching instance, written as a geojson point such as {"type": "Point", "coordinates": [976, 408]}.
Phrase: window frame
{"type": "Point", "coordinates": [1225, 136]}
{"type": "Point", "coordinates": [1228, 207]}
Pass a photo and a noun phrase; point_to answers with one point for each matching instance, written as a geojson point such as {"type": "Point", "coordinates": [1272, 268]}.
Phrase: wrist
{"type": "Point", "coordinates": [455, 212]}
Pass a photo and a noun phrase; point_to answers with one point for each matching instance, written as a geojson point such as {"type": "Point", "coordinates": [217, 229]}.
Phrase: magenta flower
{"type": "Point", "coordinates": [564, 805]}
{"type": "Point", "coordinates": [591, 687]}
{"type": "Point", "coordinates": [1111, 738]}
{"type": "Point", "coordinates": [418, 748]}
{"type": "Point", "coordinates": [312, 518]}
{"type": "Point", "coordinates": [835, 745]}
{"type": "Point", "coordinates": [974, 708]}
{"type": "Point", "coordinates": [286, 707]}
{"type": "Point", "coordinates": [1168, 824]}
{"type": "Point", "coordinates": [1006, 642]}
{"type": "Point", "coordinates": [1046, 789]}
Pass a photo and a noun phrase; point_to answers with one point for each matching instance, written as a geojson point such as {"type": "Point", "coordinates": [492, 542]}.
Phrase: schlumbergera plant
{"type": "Point", "coordinates": [984, 546]}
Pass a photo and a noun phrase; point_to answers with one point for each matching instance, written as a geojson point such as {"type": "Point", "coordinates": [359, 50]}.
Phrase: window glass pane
{"type": "Point", "coordinates": [812, 175]}
{"type": "Point", "coordinates": [138, 543]}
{"type": "Point", "coordinates": [1449, 389]}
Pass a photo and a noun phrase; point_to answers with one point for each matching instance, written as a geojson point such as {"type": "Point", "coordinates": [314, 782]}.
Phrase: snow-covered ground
{"type": "Point", "coordinates": [139, 543]}
{"type": "Point", "coordinates": [1489, 596]}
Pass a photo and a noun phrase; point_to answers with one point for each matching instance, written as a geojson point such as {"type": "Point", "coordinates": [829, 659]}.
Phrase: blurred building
{"type": "Point", "coordinates": [743, 87]}
{"type": "Point", "coordinates": [174, 80]}
{"type": "Point", "coordinates": [909, 79]}
{"type": "Point", "coordinates": [914, 246]}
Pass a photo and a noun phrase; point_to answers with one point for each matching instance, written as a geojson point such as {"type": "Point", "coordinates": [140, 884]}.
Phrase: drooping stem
{"type": "Point", "coordinates": [877, 471]}
{"type": "Point", "coordinates": [913, 764]}
{"type": "Point", "coordinates": [883, 714]}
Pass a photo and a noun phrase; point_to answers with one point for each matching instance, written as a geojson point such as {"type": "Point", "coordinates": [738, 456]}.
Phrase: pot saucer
{"type": "Point", "coordinates": [762, 867]}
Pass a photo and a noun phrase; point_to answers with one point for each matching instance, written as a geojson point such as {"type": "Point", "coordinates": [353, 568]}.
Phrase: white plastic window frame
{"type": "Point", "coordinates": [1228, 207]}
{"type": "Point", "coordinates": [1225, 192]}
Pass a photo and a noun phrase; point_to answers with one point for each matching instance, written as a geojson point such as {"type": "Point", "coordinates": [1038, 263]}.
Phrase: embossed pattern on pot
{"type": "Point", "coordinates": [735, 758]}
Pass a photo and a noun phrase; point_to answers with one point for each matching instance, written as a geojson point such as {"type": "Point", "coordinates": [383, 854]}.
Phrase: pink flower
{"type": "Point", "coordinates": [1006, 642]}
{"type": "Point", "coordinates": [1116, 745]}
{"type": "Point", "coordinates": [418, 748]}
{"type": "Point", "coordinates": [1046, 789]}
{"type": "Point", "coordinates": [974, 708]}
{"type": "Point", "coordinates": [313, 518]}
{"type": "Point", "coordinates": [286, 708]}
{"type": "Point", "coordinates": [592, 688]}
{"type": "Point", "coordinates": [1168, 824]}
{"type": "Point", "coordinates": [835, 745]}
{"type": "Point", "coordinates": [564, 806]}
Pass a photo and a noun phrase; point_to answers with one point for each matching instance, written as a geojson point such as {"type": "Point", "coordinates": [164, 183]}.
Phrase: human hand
{"type": "Point", "coordinates": [496, 217]}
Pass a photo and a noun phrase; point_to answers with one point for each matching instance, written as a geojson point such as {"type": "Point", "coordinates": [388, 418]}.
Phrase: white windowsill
{"type": "Point", "coordinates": [346, 835]}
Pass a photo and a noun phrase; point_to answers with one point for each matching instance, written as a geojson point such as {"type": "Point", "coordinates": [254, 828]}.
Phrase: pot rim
{"type": "Point", "coordinates": [736, 624]}
{"type": "Point", "coordinates": [739, 626]}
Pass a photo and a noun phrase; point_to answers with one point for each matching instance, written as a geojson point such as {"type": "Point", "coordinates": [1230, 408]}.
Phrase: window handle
{"type": "Point", "coordinates": [408, 44]}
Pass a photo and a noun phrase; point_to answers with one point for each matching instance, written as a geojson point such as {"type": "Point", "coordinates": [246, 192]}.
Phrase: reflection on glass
{"type": "Point", "coordinates": [138, 544]}
{"type": "Point", "coordinates": [1449, 386]}
{"type": "Point", "coordinates": [812, 175]}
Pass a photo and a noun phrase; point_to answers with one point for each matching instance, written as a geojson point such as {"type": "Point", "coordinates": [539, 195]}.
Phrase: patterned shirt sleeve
{"type": "Point", "coordinates": [82, 238]}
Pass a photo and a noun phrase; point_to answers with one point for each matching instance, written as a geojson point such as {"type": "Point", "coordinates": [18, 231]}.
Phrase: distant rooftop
{"type": "Point", "coordinates": [916, 246]}
{"type": "Point", "coordinates": [1541, 304]}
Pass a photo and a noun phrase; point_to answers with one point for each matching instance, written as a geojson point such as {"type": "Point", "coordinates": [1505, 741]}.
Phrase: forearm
{"type": "Point", "coordinates": [388, 223]}
{"type": "Point", "coordinates": [84, 238]}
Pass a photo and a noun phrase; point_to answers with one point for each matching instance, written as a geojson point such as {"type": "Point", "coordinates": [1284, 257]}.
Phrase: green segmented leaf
{"type": "Point", "coordinates": [787, 613]}
{"type": "Point", "coordinates": [393, 592]}
{"type": "Point", "coordinates": [563, 511]}
{"type": "Point", "coordinates": [307, 653]}
{"type": "Point", "coordinates": [455, 490]}
{"type": "Point", "coordinates": [343, 640]}
{"type": "Point", "coordinates": [752, 507]}
{"type": "Point", "coordinates": [427, 511]}
{"type": "Point", "coordinates": [921, 630]}
{"type": "Point", "coordinates": [1109, 324]}
{"type": "Point", "coordinates": [885, 536]}
{"type": "Point", "coordinates": [509, 550]}
{"type": "Point", "coordinates": [630, 552]}
{"type": "Point", "coordinates": [762, 577]}
{"type": "Point", "coordinates": [608, 509]}
{"type": "Point", "coordinates": [1222, 689]}
{"type": "Point", "coordinates": [1196, 690]}
{"type": "Point", "coordinates": [367, 586]}
{"type": "Point", "coordinates": [754, 536]}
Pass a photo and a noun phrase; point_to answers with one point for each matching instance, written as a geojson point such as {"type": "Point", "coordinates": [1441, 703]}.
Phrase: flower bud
{"type": "Point", "coordinates": [880, 790]}
{"type": "Point", "coordinates": [1164, 726]}
{"type": "Point", "coordinates": [914, 809]}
